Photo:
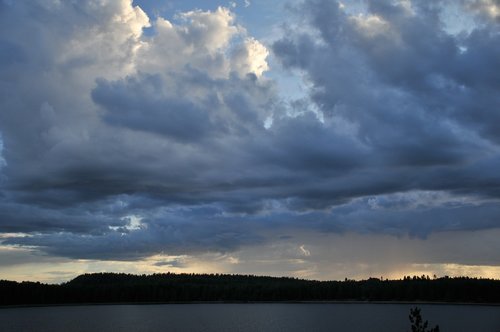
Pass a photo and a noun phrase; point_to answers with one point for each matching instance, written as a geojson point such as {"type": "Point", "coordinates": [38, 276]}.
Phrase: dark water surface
{"type": "Point", "coordinates": [246, 317]}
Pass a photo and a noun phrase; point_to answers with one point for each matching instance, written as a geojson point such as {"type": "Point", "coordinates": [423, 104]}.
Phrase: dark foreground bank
{"type": "Point", "coordinates": [161, 288]}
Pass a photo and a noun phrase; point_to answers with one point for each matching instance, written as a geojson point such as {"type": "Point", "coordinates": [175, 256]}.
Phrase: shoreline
{"type": "Point", "coordinates": [353, 302]}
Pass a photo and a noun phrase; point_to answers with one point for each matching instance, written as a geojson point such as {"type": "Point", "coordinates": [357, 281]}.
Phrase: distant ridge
{"type": "Point", "coordinates": [164, 288]}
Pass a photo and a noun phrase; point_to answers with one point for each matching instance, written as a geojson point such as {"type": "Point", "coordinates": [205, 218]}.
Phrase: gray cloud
{"type": "Point", "coordinates": [176, 118]}
{"type": "Point", "coordinates": [223, 107]}
{"type": "Point", "coordinates": [172, 231]}
{"type": "Point", "coordinates": [100, 123]}
{"type": "Point", "coordinates": [394, 74]}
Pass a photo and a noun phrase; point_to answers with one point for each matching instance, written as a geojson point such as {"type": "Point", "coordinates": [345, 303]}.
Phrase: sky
{"type": "Point", "coordinates": [314, 139]}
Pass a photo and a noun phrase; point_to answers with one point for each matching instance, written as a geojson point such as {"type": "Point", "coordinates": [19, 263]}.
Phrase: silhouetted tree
{"type": "Point", "coordinates": [417, 323]}
{"type": "Point", "coordinates": [170, 287]}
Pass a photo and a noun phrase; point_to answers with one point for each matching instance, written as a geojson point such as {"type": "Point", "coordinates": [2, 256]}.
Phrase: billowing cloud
{"type": "Point", "coordinates": [407, 85]}
{"type": "Point", "coordinates": [119, 144]}
{"type": "Point", "coordinates": [250, 57]}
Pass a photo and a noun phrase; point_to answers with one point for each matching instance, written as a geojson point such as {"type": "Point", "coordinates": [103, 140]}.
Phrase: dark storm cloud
{"type": "Point", "coordinates": [102, 125]}
{"type": "Point", "coordinates": [175, 117]}
{"type": "Point", "coordinates": [396, 75]}
{"type": "Point", "coordinates": [10, 53]}
{"type": "Point", "coordinates": [226, 106]}
{"type": "Point", "coordinates": [18, 215]}
{"type": "Point", "coordinates": [174, 233]}
{"type": "Point", "coordinates": [418, 221]}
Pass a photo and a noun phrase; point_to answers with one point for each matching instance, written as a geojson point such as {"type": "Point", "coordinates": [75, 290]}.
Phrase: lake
{"type": "Point", "coordinates": [286, 317]}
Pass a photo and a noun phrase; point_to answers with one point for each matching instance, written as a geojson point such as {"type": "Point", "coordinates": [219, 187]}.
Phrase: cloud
{"type": "Point", "coordinates": [251, 57]}
{"type": "Point", "coordinates": [176, 263]}
{"type": "Point", "coordinates": [488, 8]}
{"type": "Point", "coordinates": [183, 128]}
{"type": "Point", "coordinates": [164, 231]}
{"type": "Point", "coordinates": [2, 159]}
{"type": "Point", "coordinates": [396, 75]}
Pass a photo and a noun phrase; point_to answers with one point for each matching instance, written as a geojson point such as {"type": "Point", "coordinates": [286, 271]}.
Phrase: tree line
{"type": "Point", "coordinates": [169, 287]}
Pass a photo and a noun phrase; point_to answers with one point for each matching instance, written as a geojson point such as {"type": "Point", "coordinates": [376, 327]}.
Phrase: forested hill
{"type": "Point", "coordinates": [116, 288]}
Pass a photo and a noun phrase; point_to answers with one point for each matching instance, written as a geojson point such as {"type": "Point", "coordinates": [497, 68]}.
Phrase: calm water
{"type": "Point", "coordinates": [246, 318]}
